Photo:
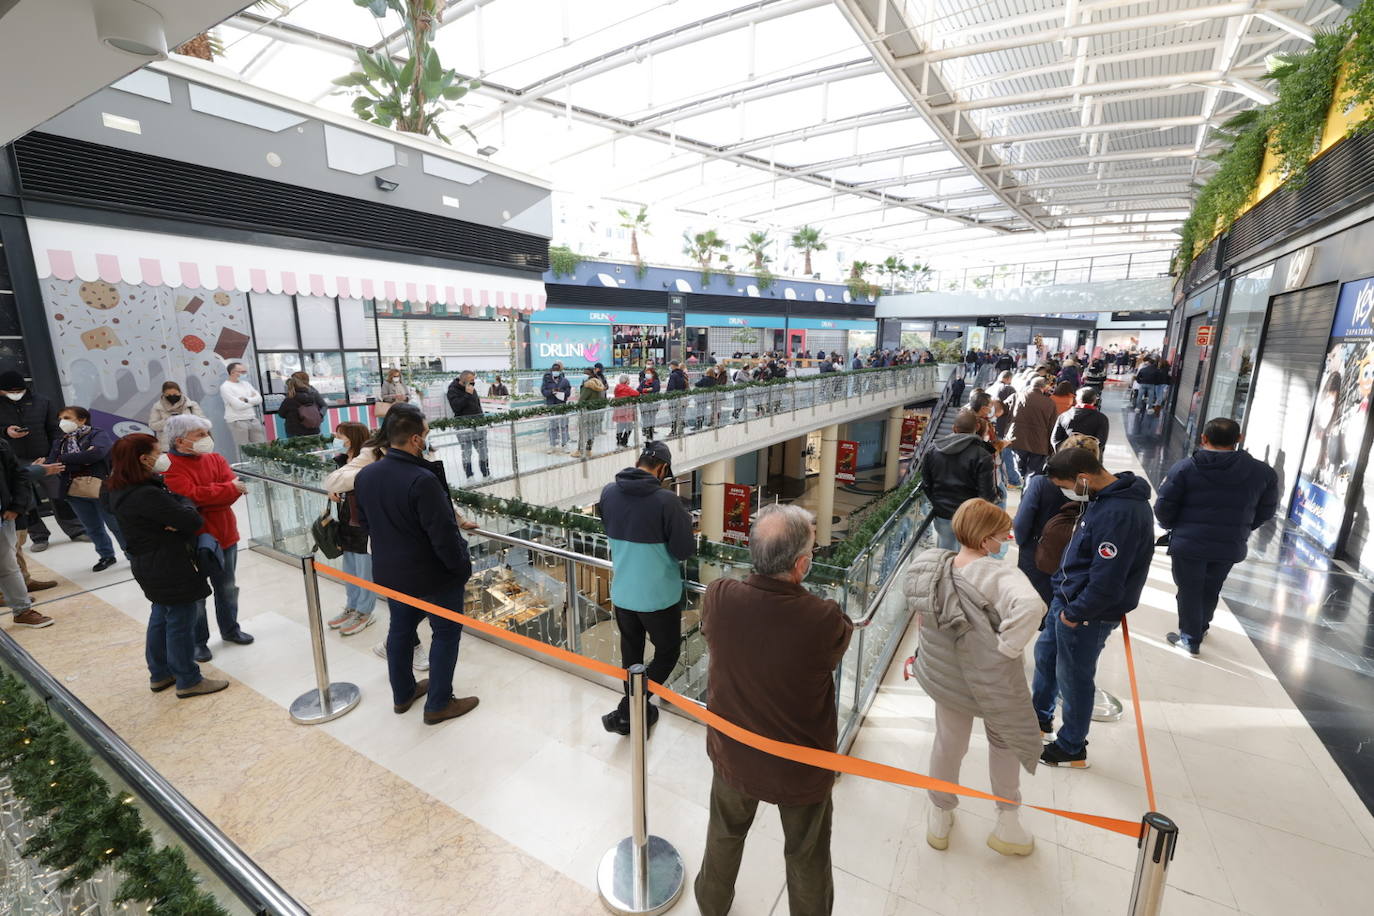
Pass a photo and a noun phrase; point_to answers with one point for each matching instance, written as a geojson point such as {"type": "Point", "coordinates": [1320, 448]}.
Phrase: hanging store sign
{"type": "Point", "coordinates": [846, 460]}
{"type": "Point", "coordinates": [1203, 338]}
{"type": "Point", "coordinates": [570, 344]}
{"type": "Point", "coordinates": [737, 503]}
{"type": "Point", "coordinates": [1354, 310]}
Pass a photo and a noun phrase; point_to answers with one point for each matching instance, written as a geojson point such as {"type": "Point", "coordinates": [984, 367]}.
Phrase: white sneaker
{"type": "Point", "coordinates": [379, 650]}
{"type": "Point", "coordinates": [1009, 837]}
{"type": "Point", "coordinates": [421, 662]}
{"type": "Point", "coordinates": [343, 618]}
{"type": "Point", "coordinates": [939, 823]}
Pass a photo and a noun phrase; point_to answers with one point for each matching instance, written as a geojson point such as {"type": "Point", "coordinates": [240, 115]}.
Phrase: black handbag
{"type": "Point", "coordinates": [326, 534]}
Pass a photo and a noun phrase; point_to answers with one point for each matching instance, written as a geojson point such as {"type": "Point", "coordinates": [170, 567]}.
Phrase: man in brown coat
{"type": "Point", "coordinates": [1033, 415]}
{"type": "Point", "coordinates": [773, 650]}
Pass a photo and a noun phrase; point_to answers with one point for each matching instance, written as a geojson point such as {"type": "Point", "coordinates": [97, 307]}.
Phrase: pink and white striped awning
{"type": "Point", "coordinates": [76, 250]}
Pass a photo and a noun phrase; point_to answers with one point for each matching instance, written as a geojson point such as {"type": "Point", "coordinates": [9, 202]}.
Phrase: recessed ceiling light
{"type": "Point", "coordinates": [487, 150]}
{"type": "Point", "coordinates": [118, 122]}
{"type": "Point", "coordinates": [274, 160]}
{"type": "Point", "coordinates": [450, 201]}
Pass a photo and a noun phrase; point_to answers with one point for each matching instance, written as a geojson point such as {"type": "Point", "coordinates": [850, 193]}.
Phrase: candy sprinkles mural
{"type": "Point", "coordinates": [116, 343]}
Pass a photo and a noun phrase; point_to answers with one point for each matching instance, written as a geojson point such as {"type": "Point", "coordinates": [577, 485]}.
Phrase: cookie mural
{"type": "Point", "coordinates": [117, 343]}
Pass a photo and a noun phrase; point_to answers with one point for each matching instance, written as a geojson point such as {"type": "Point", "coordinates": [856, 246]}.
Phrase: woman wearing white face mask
{"type": "Point", "coordinates": [81, 455]}
{"type": "Point", "coordinates": [162, 528]}
{"type": "Point", "coordinates": [977, 617]}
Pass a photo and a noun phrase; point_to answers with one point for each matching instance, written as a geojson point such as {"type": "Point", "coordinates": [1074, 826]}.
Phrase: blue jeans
{"type": "Point", "coordinates": [944, 533]}
{"type": "Point", "coordinates": [443, 649]}
{"type": "Point", "coordinates": [95, 518]}
{"type": "Point", "coordinates": [355, 596]}
{"type": "Point", "coordinates": [170, 646]}
{"type": "Point", "coordinates": [1009, 467]}
{"type": "Point", "coordinates": [226, 598]}
{"type": "Point", "coordinates": [1065, 667]}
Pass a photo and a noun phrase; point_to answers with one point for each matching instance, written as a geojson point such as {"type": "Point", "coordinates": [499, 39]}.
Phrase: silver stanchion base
{"type": "Point", "coordinates": [615, 878]}
{"type": "Point", "coordinates": [307, 709]}
{"type": "Point", "coordinates": [1106, 708]}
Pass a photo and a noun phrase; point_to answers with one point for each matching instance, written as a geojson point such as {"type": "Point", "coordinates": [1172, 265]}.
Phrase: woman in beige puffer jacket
{"type": "Point", "coordinates": [172, 403]}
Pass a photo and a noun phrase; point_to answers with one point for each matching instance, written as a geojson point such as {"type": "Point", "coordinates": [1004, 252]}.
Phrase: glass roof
{"type": "Point", "coordinates": [950, 132]}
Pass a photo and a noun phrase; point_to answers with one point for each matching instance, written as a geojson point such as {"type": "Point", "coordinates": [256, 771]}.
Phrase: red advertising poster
{"type": "Point", "coordinates": [737, 502]}
{"type": "Point", "coordinates": [846, 460]}
{"type": "Point", "coordinates": [910, 436]}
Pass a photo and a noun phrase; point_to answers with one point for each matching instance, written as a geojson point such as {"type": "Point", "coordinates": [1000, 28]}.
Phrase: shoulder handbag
{"type": "Point", "coordinates": [1054, 539]}
{"type": "Point", "coordinates": [86, 487]}
{"type": "Point", "coordinates": [325, 531]}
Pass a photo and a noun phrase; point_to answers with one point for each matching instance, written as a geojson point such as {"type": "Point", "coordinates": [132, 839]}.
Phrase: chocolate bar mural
{"type": "Point", "coordinates": [116, 343]}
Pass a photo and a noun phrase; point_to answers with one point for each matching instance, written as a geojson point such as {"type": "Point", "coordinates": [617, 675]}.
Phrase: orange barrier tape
{"type": "Point", "coordinates": [810, 756]}
{"type": "Point", "coordinates": [1139, 719]}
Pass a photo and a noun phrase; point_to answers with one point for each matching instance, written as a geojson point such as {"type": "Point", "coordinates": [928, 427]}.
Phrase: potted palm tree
{"type": "Point", "coordinates": [703, 247]}
{"type": "Point", "coordinates": [636, 223]}
{"type": "Point", "coordinates": [948, 354]}
{"type": "Point", "coordinates": [756, 246]}
{"type": "Point", "coordinates": [806, 240]}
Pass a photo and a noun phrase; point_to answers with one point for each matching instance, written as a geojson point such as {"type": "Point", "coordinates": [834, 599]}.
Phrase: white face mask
{"type": "Point", "coordinates": [203, 446]}
{"type": "Point", "coordinates": [68, 426]}
{"type": "Point", "coordinates": [162, 464]}
{"type": "Point", "coordinates": [15, 395]}
{"type": "Point", "coordinates": [1074, 495]}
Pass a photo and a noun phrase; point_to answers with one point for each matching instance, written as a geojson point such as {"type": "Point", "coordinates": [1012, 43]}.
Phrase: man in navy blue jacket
{"type": "Point", "coordinates": [1099, 582]}
{"type": "Point", "coordinates": [416, 549]}
{"type": "Point", "coordinates": [1210, 503]}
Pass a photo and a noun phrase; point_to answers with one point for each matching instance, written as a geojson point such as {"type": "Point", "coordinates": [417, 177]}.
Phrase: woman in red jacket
{"type": "Point", "coordinates": [205, 478]}
{"type": "Point", "coordinates": [624, 416]}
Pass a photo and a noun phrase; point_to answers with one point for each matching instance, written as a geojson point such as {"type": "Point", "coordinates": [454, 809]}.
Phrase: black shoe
{"type": "Point", "coordinates": [240, 639]}
{"type": "Point", "coordinates": [616, 722]}
{"type": "Point", "coordinates": [1177, 642]}
{"type": "Point", "coordinates": [652, 719]}
{"type": "Point", "coordinates": [38, 547]}
{"type": "Point", "coordinates": [203, 654]}
{"type": "Point", "coordinates": [103, 563]}
{"type": "Point", "coordinates": [1055, 756]}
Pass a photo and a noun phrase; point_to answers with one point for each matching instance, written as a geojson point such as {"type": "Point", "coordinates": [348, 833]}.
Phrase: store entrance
{"type": "Point", "coordinates": [796, 343]}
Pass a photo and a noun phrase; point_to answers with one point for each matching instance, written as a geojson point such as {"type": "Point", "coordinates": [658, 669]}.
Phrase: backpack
{"type": "Point", "coordinates": [310, 415]}
{"type": "Point", "coordinates": [1055, 537]}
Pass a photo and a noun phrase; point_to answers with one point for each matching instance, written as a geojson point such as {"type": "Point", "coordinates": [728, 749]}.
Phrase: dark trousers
{"type": "Point", "coordinates": [1066, 668]}
{"type": "Point", "coordinates": [663, 629]}
{"type": "Point", "coordinates": [224, 582]}
{"type": "Point", "coordinates": [806, 850]}
{"type": "Point", "coordinates": [62, 513]}
{"type": "Point", "coordinates": [402, 638]}
{"type": "Point", "coordinates": [169, 645]}
{"type": "Point", "coordinates": [1028, 463]}
{"type": "Point", "coordinates": [1199, 589]}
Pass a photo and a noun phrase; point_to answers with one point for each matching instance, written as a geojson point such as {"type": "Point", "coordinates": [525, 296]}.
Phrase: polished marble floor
{"type": "Point", "coordinates": [1311, 619]}
{"type": "Point", "coordinates": [1270, 823]}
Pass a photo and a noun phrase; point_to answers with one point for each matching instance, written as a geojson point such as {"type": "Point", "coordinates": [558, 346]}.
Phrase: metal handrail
{"type": "Point", "coordinates": [253, 886]}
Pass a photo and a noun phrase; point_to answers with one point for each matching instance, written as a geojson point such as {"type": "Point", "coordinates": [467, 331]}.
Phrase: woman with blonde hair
{"type": "Point", "coordinates": [977, 617]}
{"type": "Point", "coordinates": [1040, 502]}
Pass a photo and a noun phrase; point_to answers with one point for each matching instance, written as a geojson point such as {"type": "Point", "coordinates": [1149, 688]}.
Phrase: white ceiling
{"type": "Point", "coordinates": [50, 57]}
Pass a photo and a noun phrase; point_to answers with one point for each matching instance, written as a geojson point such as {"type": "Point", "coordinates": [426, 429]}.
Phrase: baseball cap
{"type": "Point", "coordinates": [658, 451]}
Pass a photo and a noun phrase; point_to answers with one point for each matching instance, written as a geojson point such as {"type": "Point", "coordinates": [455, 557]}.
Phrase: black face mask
{"type": "Point", "coordinates": [173, 398]}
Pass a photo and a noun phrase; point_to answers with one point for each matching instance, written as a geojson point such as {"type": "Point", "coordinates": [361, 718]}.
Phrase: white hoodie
{"type": "Point", "coordinates": [241, 401]}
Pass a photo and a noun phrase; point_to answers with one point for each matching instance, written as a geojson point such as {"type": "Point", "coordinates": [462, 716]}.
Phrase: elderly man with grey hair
{"type": "Point", "coordinates": [205, 478]}
{"type": "Point", "coordinates": [773, 650]}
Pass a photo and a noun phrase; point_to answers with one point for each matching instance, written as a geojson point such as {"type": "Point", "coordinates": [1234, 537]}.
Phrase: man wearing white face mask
{"type": "Point", "coordinates": [206, 479]}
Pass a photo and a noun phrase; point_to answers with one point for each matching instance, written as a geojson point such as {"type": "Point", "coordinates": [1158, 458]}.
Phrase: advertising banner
{"type": "Point", "coordinates": [1340, 418]}
{"type": "Point", "coordinates": [846, 460]}
{"type": "Point", "coordinates": [573, 345]}
{"type": "Point", "coordinates": [737, 503]}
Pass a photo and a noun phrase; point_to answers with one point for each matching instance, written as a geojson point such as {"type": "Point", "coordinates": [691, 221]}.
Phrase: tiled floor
{"type": "Point", "coordinates": [1269, 823]}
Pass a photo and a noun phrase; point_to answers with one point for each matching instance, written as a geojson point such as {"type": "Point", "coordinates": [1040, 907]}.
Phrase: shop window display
{"type": "Point", "coordinates": [1240, 338]}
{"type": "Point", "coordinates": [305, 332]}
{"type": "Point", "coordinates": [634, 345]}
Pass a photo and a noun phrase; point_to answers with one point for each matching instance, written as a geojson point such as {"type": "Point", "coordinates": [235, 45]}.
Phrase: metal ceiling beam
{"type": "Point", "coordinates": [1177, 80]}
{"type": "Point", "coordinates": [917, 92]}
{"type": "Point", "coordinates": [1289, 24]}
{"type": "Point", "coordinates": [1091, 61]}
{"type": "Point", "coordinates": [1172, 18]}
{"type": "Point", "coordinates": [1182, 152]}
{"type": "Point", "coordinates": [1156, 124]}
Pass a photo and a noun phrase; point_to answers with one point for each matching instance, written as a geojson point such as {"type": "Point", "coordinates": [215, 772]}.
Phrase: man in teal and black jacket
{"type": "Point", "coordinates": [650, 534]}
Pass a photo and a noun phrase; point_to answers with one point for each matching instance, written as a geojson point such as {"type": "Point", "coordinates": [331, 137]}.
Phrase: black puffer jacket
{"type": "Point", "coordinates": [290, 412]}
{"type": "Point", "coordinates": [463, 403]}
{"type": "Point", "coordinates": [164, 562]}
{"type": "Point", "coordinates": [39, 415]}
{"type": "Point", "coordinates": [1211, 502]}
{"type": "Point", "coordinates": [957, 469]}
{"type": "Point", "coordinates": [15, 493]}
{"type": "Point", "coordinates": [1086, 420]}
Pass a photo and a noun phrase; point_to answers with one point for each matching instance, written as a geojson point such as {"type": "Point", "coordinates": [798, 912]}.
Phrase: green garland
{"type": "Point", "coordinates": [1359, 61]}
{"type": "Point", "coordinates": [877, 512]}
{"type": "Point", "coordinates": [1306, 87]}
{"type": "Point", "coordinates": [292, 452]}
{"type": "Point", "coordinates": [87, 827]}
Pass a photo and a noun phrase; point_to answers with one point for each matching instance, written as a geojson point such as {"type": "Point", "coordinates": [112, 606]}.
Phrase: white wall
{"type": "Point", "coordinates": [1151, 295]}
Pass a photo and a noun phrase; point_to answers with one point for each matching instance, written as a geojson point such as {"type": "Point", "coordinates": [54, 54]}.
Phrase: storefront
{"type": "Point", "coordinates": [725, 335]}
{"type": "Point", "coordinates": [583, 337]}
{"type": "Point", "coordinates": [831, 335]}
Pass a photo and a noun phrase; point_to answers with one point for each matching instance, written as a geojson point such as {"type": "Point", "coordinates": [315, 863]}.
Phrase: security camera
{"type": "Point", "coordinates": [131, 27]}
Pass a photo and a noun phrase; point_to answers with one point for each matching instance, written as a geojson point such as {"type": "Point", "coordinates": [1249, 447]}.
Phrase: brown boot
{"type": "Point", "coordinates": [32, 619]}
{"type": "Point", "coordinates": [204, 686]}
{"type": "Point", "coordinates": [456, 707]}
{"type": "Point", "coordinates": [38, 585]}
{"type": "Point", "coordinates": [421, 688]}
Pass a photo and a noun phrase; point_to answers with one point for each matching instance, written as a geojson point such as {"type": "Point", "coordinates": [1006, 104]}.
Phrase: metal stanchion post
{"type": "Point", "coordinates": [1106, 708]}
{"type": "Point", "coordinates": [1158, 842]}
{"type": "Point", "coordinates": [327, 701]}
{"type": "Point", "coordinates": [641, 875]}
